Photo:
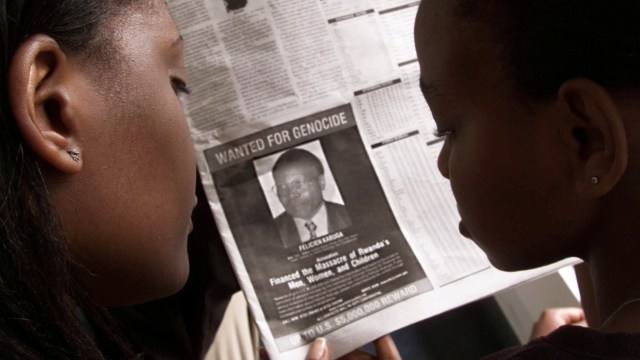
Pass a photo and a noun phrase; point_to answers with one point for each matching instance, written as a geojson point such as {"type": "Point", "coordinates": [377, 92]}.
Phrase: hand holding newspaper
{"type": "Point", "coordinates": [316, 151]}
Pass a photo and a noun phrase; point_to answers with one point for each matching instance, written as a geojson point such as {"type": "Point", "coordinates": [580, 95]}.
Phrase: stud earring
{"type": "Point", "coordinates": [595, 180]}
{"type": "Point", "coordinates": [75, 156]}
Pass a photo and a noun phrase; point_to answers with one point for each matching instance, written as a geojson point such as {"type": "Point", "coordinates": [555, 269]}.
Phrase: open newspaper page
{"type": "Point", "coordinates": [300, 105]}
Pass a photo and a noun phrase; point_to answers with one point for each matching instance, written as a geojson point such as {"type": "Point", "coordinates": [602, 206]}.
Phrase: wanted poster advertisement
{"type": "Point", "coordinates": [308, 214]}
{"type": "Point", "coordinates": [316, 151]}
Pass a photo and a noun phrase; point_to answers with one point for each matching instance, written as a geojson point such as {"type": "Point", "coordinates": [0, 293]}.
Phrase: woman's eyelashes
{"type": "Point", "coordinates": [180, 86]}
{"type": "Point", "coordinates": [442, 133]}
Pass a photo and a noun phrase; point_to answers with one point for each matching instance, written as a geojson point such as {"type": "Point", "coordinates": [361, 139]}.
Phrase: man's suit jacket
{"type": "Point", "coordinates": [337, 218]}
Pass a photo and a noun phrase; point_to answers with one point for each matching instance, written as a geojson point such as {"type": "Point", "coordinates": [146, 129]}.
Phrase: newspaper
{"type": "Point", "coordinates": [338, 80]}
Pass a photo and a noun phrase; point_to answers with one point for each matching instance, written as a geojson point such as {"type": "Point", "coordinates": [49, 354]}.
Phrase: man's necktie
{"type": "Point", "coordinates": [311, 226]}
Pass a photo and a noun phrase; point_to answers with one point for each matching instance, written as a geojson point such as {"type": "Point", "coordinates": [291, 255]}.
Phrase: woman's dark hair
{"type": "Point", "coordinates": [43, 310]}
{"type": "Point", "coordinates": [546, 42]}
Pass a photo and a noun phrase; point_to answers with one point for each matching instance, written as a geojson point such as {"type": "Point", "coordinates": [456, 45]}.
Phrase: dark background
{"type": "Point", "coordinates": [465, 333]}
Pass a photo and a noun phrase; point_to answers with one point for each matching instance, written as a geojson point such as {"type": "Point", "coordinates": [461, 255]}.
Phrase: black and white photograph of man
{"type": "Point", "coordinates": [299, 182]}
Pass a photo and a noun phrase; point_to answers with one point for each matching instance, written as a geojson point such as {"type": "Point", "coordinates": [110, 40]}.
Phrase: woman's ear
{"type": "Point", "coordinates": [39, 83]}
{"type": "Point", "coordinates": [596, 135]}
{"type": "Point", "coordinates": [321, 181]}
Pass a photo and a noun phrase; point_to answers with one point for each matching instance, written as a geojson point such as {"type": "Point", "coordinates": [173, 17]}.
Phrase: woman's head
{"type": "Point", "coordinates": [533, 99]}
{"type": "Point", "coordinates": [544, 43]}
{"type": "Point", "coordinates": [102, 79]}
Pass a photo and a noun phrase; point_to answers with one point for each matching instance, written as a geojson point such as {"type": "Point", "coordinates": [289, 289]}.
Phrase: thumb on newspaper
{"type": "Point", "coordinates": [386, 349]}
{"type": "Point", "coordinates": [318, 350]}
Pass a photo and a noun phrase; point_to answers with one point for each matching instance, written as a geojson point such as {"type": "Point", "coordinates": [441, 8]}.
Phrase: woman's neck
{"type": "Point", "coordinates": [614, 263]}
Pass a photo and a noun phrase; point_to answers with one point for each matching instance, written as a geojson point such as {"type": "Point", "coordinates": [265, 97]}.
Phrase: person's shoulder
{"type": "Point", "coordinates": [283, 215]}
{"type": "Point", "coordinates": [575, 342]}
{"type": "Point", "coordinates": [284, 219]}
{"type": "Point", "coordinates": [335, 206]}
{"type": "Point", "coordinates": [338, 216]}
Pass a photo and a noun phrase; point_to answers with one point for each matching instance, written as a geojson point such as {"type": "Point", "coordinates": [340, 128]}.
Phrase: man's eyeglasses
{"type": "Point", "coordinates": [298, 185]}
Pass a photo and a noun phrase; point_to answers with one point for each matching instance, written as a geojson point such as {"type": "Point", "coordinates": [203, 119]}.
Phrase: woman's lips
{"type": "Point", "coordinates": [463, 230]}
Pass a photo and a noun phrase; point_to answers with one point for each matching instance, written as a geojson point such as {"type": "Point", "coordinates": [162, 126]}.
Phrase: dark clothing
{"type": "Point", "coordinates": [337, 219]}
{"type": "Point", "coordinates": [183, 326]}
{"type": "Point", "coordinates": [575, 342]}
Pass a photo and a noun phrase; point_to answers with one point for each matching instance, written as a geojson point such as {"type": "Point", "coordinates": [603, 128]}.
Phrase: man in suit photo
{"type": "Point", "coordinates": [299, 185]}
